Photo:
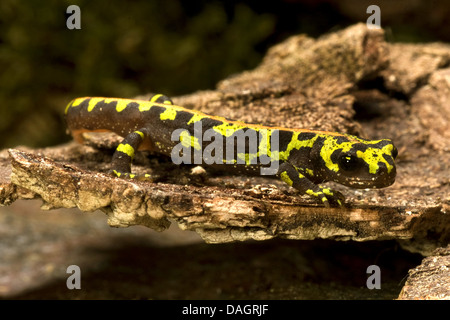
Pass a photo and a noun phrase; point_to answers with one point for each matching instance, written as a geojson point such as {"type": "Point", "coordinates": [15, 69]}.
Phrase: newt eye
{"type": "Point", "coordinates": [348, 162]}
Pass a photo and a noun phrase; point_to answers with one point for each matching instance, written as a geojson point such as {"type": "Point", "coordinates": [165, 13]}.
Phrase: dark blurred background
{"type": "Point", "coordinates": [128, 48]}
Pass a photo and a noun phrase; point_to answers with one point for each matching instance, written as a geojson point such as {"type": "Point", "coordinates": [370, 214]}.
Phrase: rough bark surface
{"type": "Point", "coordinates": [430, 280]}
{"type": "Point", "coordinates": [349, 81]}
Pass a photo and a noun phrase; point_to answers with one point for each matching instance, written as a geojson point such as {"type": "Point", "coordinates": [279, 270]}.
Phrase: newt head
{"type": "Point", "coordinates": [355, 162]}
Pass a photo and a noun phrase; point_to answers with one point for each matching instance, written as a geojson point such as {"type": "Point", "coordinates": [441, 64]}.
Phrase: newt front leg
{"type": "Point", "coordinates": [289, 174]}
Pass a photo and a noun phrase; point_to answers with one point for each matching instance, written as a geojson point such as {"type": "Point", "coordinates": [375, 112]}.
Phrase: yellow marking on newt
{"type": "Point", "coordinates": [296, 144]}
{"type": "Point", "coordinates": [372, 156]}
{"type": "Point", "coordinates": [67, 108]}
{"type": "Point", "coordinates": [248, 157]}
{"type": "Point", "coordinates": [93, 102]}
{"type": "Point", "coordinates": [144, 106]}
{"type": "Point", "coordinates": [169, 113]}
{"type": "Point", "coordinates": [140, 133]}
{"type": "Point", "coordinates": [228, 128]}
{"type": "Point", "coordinates": [229, 161]}
{"type": "Point", "coordinates": [285, 177]}
{"type": "Point", "coordinates": [74, 103]}
{"type": "Point", "coordinates": [195, 118]}
{"type": "Point", "coordinates": [121, 105]}
{"type": "Point", "coordinates": [189, 141]}
{"type": "Point", "coordinates": [264, 144]}
{"type": "Point", "coordinates": [155, 97]}
{"type": "Point", "coordinates": [127, 149]}
{"type": "Point", "coordinates": [315, 194]}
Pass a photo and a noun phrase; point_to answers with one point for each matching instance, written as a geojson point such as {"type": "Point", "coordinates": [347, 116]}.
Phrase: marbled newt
{"type": "Point", "coordinates": [304, 157]}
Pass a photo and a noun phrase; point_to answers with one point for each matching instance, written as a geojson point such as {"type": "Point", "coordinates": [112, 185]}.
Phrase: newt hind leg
{"type": "Point", "coordinates": [124, 155]}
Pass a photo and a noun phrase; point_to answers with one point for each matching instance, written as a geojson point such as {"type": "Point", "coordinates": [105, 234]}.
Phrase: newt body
{"type": "Point", "coordinates": [304, 158]}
